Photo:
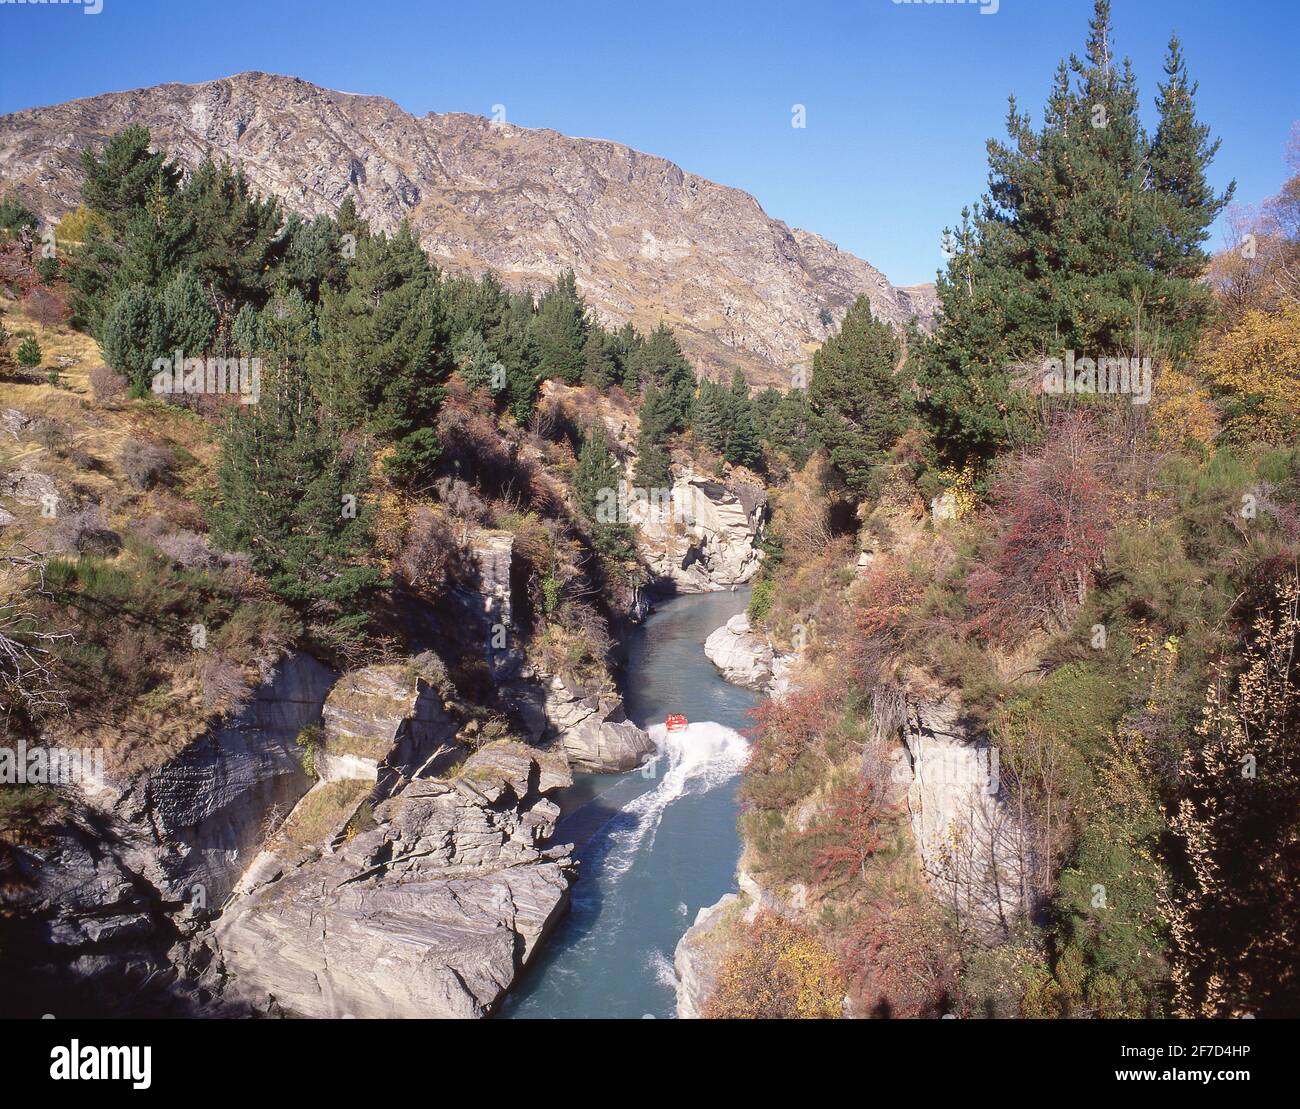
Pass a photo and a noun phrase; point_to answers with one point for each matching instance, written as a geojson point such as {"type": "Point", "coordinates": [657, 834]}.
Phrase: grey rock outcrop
{"type": "Point", "coordinates": [431, 913]}
{"type": "Point", "coordinates": [385, 722]}
{"type": "Point", "coordinates": [707, 539]}
{"type": "Point", "coordinates": [744, 657]}
{"type": "Point", "coordinates": [747, 657]}
{"type": "Point", "coordinates": [206, 810]}
{"type": "Point", "coordinates": [28, 486]}
{"type": "Point", "coordinates": [971, 847]}
{"type": "Point", "coordinates": [484, 601]}
{"type": "Point", "coordinates": [589, 726]}
{"type": "Point", "coordinates": [698, 956]}
{"type": "Point", "coordinates": [111, 905]}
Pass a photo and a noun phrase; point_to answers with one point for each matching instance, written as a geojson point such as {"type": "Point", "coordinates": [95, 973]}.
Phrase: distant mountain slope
{"type": "Point", "coordinates": [647, 240]}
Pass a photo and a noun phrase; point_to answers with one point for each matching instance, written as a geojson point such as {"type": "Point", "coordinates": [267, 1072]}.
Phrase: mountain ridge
{"type": "Point", "coordinates": [648, 240]}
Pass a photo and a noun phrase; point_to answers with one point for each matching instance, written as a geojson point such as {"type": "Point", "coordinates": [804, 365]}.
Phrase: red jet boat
{"type": "Point", "coordinates": [676, 722]}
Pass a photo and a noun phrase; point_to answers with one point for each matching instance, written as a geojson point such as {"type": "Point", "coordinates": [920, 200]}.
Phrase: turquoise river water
{"type": "Point", "coordinates": [655, 845]}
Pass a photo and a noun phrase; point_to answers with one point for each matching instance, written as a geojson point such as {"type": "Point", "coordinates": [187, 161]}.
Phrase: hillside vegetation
{"type": "Point", "coordinates": [1106, 596]}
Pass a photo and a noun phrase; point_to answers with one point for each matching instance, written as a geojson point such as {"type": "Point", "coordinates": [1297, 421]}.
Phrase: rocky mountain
{"type": "Point", "coordinates": [647, 240]}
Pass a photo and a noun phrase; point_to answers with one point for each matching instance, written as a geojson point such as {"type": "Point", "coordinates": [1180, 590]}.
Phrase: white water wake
{"type": "Point", "coordinates": [695, 761]}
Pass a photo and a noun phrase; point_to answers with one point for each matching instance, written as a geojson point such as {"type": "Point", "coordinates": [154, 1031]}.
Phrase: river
{"type": "Point", "coordinates": [653, 846]}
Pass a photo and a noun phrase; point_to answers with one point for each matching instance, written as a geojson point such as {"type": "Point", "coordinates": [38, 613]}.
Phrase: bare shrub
{"type": "Point", "coordinates": [50, 433]}
{"type": "Point", "coordinates": [224, 684]}
{"type": "Point", "coordinates": [46, 307]}
{"type": "Point", "coordinates": [146, 464]}
{"type": "Point", "coordinates": [87, 532]}
{"type": "Point", "coordinates": [187, 549]}
{"type": "Point", "coordinates": [431, 553]}
{"type": "Point", "coordinates": [462, 500]}
{"type": "Point", "coordinates": [106, 384]}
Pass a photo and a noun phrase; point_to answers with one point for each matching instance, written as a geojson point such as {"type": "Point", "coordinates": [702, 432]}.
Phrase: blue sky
{"type": "Point", "coordinates": [899, 98]}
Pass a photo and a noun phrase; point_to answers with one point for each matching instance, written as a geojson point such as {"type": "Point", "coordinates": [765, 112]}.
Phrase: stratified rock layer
{"type": "Point", "coordinates": [429, 914]}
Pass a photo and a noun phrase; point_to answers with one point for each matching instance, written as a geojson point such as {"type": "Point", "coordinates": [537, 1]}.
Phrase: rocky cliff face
{"type": "Point", "coordinates": [647, 240]}
{"type": "Point", "coordinates": [111, 907]}
{"type": "Point", "coordinates": [706, 538]}
{"type": "Point", "coordinates": [970, 846]}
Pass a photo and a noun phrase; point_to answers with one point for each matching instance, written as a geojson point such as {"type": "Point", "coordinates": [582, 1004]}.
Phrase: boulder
{"type": "Point", "coordinates": [591, 727]}
{"type": "Point", "coordinates": [744, 657]}
{"type": "Point", "coordinates": [431, 913]}
{"type": "Point", "coordinates": [385, 722]}
{"type": "Point", "coordinates": [594, 730]}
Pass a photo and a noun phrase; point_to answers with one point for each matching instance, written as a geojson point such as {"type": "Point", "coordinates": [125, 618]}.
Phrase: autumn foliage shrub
{"type": "Point", "coordinates": [899, 959]}
{"type": "Point", "coordinates": [1050, 514]}
{"type": "Point", "coordinates": [1255, 368]}
{"type": "Point", "coordinates": [431, 553]}
{"type": "Point", "coordinates": [1238, 821]}
{"type": "Point", "coordinates": [778, 970]}
{"type": "Point", "coordinates": [785, 728]}
{"type": "Point", "coordinates": [887, 596]}
{"type": "Point", "coordinates": [848, 835]}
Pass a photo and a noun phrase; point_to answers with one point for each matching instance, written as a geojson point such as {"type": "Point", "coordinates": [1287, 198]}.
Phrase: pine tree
{"type": "Point", "coordinates": [709, 418]}
{"type": "Point", "coordinates": [29, 353]}
{"type": "Point", "coordinates": [596, 485]}
{"type": "Point", "coordinates": [663, 365]}
{"type": "Point", "coordinates": [133, 334]}
{"type": "Point", "coordinates": [119, 182]}
{"type": "Point", "coordinates": [188, 319]}
{"type": "Point", "coordinates": [658, 416]}
{"type": "Point", "coordinates": [385, 352]}
{"type": "Point", "coordinates": [631, 355]}
{"type": "Point", "coordinates": [653, 468]}
{"type": "Point", "coordinates": [313, 255]}
{"type": "Point", "coordinates": [743, 446]}
{"type": "Point", "coordinates": [15, 215]}
{"type": "Point", "coordinates": [246, 333]}
{"type": "Point", "coordinates": [1083, 243]}
{"type": "Point", "coordinates": [285, 497]}
{"type": "Point", "coordinates": [1186, 204]}
{"type": "Point", "coordinates": [232, 235]}
{"type": "Point", "coordinates": [600, 360]}
{"type": "Point", "coordinates": [560, 328]}
{"type": "Point", "coordinates": [858, 398]}
{"type": "Point", "coordinates": [791, 429]}
{"type": "Point", "coordinates": [350, 222]}
{"type": "Point", "coordinates": [764, 405]}
{"type": "Point", "coordinates": [518, 347]}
